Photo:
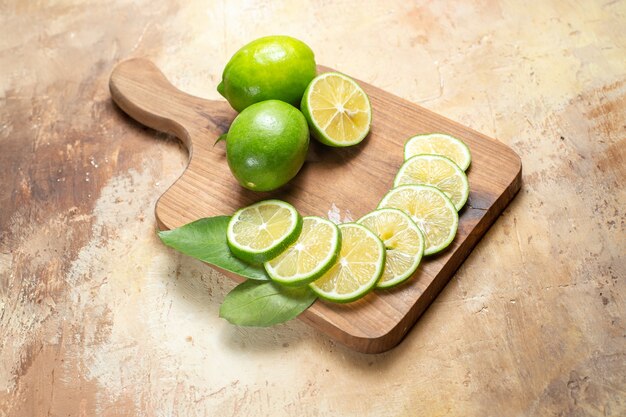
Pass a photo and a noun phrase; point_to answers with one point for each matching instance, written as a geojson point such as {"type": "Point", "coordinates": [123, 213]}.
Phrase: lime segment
{"type": "Point", "coordinates": [430, 209]}
{"type": "Point", "coordinates": [312, 254]}
{"type": "Point", "coordinates": [403, 240]}
{"type": "Point", "coordinates": [337, 109]}
{"type": "Point", "coordinates": [260, 232]}
{"type": "Point", "coordinates": [439, 144]}
{"type": "Point", "coordinates": [437, 171]}
{"type": "Point", "coordinates": [358, 268]}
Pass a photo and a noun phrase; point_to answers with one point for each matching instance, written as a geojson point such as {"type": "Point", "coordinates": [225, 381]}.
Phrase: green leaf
{"type": "Point", "coordinates": [254, 303]}
{"type": "Point", "coordinates": [205, 239]}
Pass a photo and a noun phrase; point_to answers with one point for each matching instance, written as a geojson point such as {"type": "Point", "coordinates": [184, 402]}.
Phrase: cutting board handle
{"type": "Point", "coordinates": [140, 89]}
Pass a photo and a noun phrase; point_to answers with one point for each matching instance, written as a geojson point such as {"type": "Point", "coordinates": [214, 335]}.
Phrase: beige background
{"type": "Point", "coordinates": [97, 318]}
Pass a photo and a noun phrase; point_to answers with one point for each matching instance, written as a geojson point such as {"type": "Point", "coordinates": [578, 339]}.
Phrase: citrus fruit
{"type": "Point", "coordinates": [438, 171]}
{"type": "Point", "coordinates": [337, 109]}
{"type": "Point", "coordinates": [430, 209]}
{"type": "Point", "coordinates": [260, 232]}
{"type": "Point", "coordinates": [268, 68]}
{"type": "Point", "coordinates": [312, 254]}
{"type": "Point", "coordinates": [439, 144]}
{"type": "Point", "coordinates": [358, 268]}
{"type": "Point", "coordinates": [266, 145]}
{"type": "Point", "coordinates": [403, 240]}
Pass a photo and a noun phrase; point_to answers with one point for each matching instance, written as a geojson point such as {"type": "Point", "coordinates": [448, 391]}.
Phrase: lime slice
{"type": "Point", "coordinates": [312, 254]}
{"type": "Point", "coordinates": [403, 240]}
{"type": "Point", "coordinates": [439, 144]}
{"type": "Point", "coordinates": [437, 171]}
{"type": "Point", "coordinates": [430, 209]}
{"type": "Point", "coordinates": [337, 109]}
{"type": "Point", "coordinates": [260, 232]}
{"type": "Point", "coordinates": [357, 270]}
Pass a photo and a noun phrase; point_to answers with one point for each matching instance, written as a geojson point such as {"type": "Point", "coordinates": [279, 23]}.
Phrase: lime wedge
{"type": "Point", "coordinates": [439, 144]}
{"type": "Point", "coordinates": [337, 109]}
{"type": "Point", "coordinates": [430, 209]}
{"type": "Point", "coordinates": [403, 240]}
{"type": "Point", "coordinates": [312, 254]}
{"type": "Point", "coordinates": [260, 232]}
{"type": "Point", "coordinates": [358, 268]}
{"type": "Point", "coordinates": [437, 171]}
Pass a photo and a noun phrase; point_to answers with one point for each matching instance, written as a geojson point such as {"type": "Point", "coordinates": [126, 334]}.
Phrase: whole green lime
{"type": "Point", "coordinates": [267, 144]}
{"type": "Point", "coordinates": [269, 68]}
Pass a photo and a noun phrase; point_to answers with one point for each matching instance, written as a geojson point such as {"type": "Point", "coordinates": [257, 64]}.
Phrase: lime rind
{"type": "Point", "coordinates": [363, 289]}
{"type": "Point", "coordinates": [423, 222]}
{"type": "Point", "coordinates": [459, 201]}
{"type": "Point", "coordinates": [321, 265]}
{"type": "Point", "coordinates": [317, 131]}
{"type": "Point", "coordinates": [388, 280]}
{"type": "Point", "coordinates": [463, 161]}
{"type": "Point", "coordinates": [252, 255]}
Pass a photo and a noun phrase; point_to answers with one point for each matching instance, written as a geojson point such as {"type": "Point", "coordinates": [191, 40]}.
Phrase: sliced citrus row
{"type": "Point", "coordinates": [312, 254]}
{"type": "Point", "coordinates": [437, 171]}
{"type": "Point", "coordinates": [403, 240]}
{"type": "Point", "coordinates": [260, 232]}
{"type": "Point", "coordinates": [358, 268]}
{"type": "Point", "coordinates": [430, 209]}
{"type": "Point", "coordinates": [337, 109]}
{"type": "Point", "coordinates": [439, 144]}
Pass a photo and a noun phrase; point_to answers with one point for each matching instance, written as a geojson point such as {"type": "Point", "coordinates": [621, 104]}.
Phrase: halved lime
{"type": "Point", "coordinates": [358, 268]}
{"type": "Point", "coordinates": [312, 254]}
{"type": "Point", "coordinates": [439, 144]}
{"type": "Point", "coordinates": [403, 240]}
{"type": "Point", "coordinates": [437, 171]}
{"type": "Point", "coordinates": [260, 232]}
{"type": "Point", "coordinates": [337, 109]}
{"type": "Point", "coordinates": [430, 209]}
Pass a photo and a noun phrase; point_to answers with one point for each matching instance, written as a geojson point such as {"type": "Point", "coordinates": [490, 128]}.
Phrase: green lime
{"type": "Point", "coordinates": [310, 256]}
{"type": "Point", "coordinates": [438, 171]}
{"type": "Point", "coordinates": [337, 109]}
{"type": "Point", "coordinates": [403, 240]}
{"type": "Point", "coordinates": [269, 68]}
{"type": "Point", "coordinates": [358, 268]}
{"type": "Point", "coordinates": [430, 209]}
{"type": "Point", "coordinates": [262, 231]}
{"type": "Point", "coordinates": [266, 145]}
{"type": "Point", "coordinates": [439, 144]}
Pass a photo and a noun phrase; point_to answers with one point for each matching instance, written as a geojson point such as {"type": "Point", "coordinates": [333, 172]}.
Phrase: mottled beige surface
{"type": "Point", "coordinates": [97, 318]}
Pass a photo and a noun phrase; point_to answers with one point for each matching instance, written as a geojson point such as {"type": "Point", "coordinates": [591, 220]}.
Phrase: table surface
{"type": "Point", "coordinates": [98, 318]}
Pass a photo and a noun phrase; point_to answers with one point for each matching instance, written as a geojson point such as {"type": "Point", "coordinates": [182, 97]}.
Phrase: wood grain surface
{"type": "Point", "coordinates": [97, 318]}
{"type": "Point", "coordinates": [355, 178]}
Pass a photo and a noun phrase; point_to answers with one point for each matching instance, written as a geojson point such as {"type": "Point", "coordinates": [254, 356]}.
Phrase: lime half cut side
{"type": "Point", "coordinates": [337, 109]}
{"type": "Point", "coordinates": [430, 209]}
{"type": "Point", "coordinates": [260, 232]}
{"type": "Point", "coordinates": [358, 268]}
{"type": "Point", "coordinates": [312, 254]}
{"type": "Point", "coordinates": [403, 240]}
{"type": "Point", "coordinates": [439, 144]}
{"type": "Point", "coordinates": [437, 171]}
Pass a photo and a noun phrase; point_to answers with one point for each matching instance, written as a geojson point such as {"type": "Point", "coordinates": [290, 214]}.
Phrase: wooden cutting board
{"type": "Point", "coordinates": [340, 184]}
